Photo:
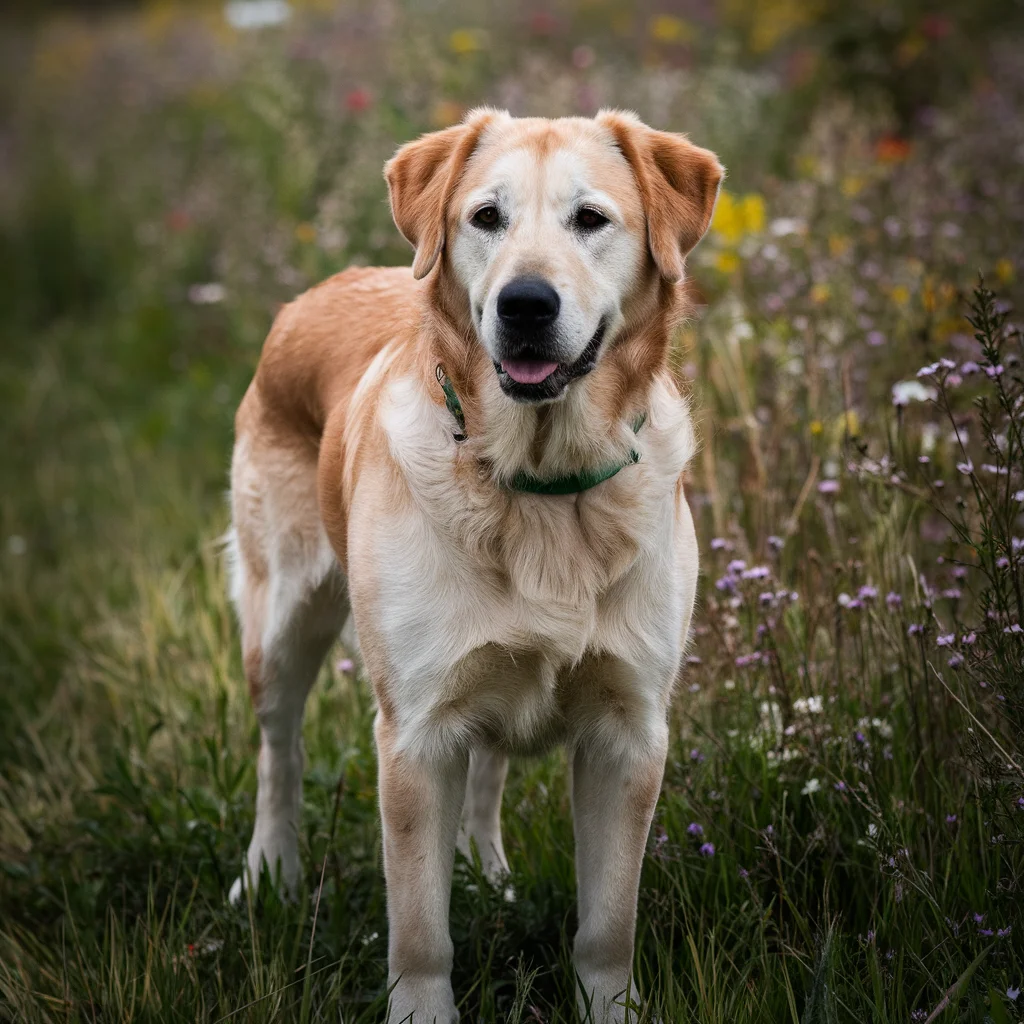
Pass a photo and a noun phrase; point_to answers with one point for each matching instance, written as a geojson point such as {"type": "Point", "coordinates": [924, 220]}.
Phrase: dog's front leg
{"type": "Point", "coordinates": [613, 803]}
{"type": "Point", "coordinates": [421, 802]}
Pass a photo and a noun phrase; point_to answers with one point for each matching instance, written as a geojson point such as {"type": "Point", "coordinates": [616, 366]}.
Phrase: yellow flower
{"type": "Point", "coordinates": [445, 113]}
{"type": "Point", "coordinates": [851, 186]}
{"type": "Point", "coordinates": [1004, 271]}
{"type": "Point", "coordinates": [467, 40]}
{"type": "Point", "coordinates": [820, 293]}
{"type": "Point", "coordinates": [735, 217]}
{"type": "Point", "coordinates": [668, 29]}
{"type": "Point", "coordinates": [848, 423]}
{"type": "Point", "coordinates": [752, 211]}
{"type": "Point", "coordinates": [305, 232]}
{"type": "Point", "coordinates": [900, 294]}
{"type": "Point", "coordinates": [816, 427]}
{"type": "Point", "coordinates": [838, 245]}
{"type": "Point", "coordinates": [727, 262]}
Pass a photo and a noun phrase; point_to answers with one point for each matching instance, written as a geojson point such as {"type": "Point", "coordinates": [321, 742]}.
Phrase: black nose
{"type": "Point", "coordinates": [528, 302]}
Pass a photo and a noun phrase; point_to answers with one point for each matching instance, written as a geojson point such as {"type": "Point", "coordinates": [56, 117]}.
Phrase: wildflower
{"type": "Point", "coordinates": [1012, 993]}
{"type": "Point", "coordinates": [952, 593]}
{"type": "Point", "coordinates": [994, 371]}
{"type": "Point", "coordinates": [1002, 563]}
{"type": "Point", "coordinates": [950, 819]}
{"type": "Point", "coordinates": [1002, 933]}
{"type": "Point", "coordinates": [358, 100]}
{"type": "Point", "coordinates": [707, 849]}
{"type": "Point", "coordinates": [206, 294]}
{"type": "Point", "coordinates": [776, 542]}
{"type": "Point", "coordinates": [694, 829]}
{"type": "Point", "coordinates": [696, 755]}
{"type": "Point", "coordinates": [945, 640]}
{"type": "Point", "coordinates": [736, 565]}
{"type": "Point", "coordinates": [893, 600]}
{"type": "Point", "coordinates": [828, 487]}
{"type": "Point", "coordinates": [1018, 496]}
{"type": "Point", "coordinates": [727, 582]}
{"type": "Point", "coordinates": [928, 371]}
{"type": "Point", "coordinates": [970, 367]}
{"type": "Point", "coordinates": [906, 391]}
{"type": "Point", "coordinates": [967, 468]}
{"type": "Point", "coordinates": [720, 544]}
{"type": "Point", "coordinates": [809, 705]}
{"type": "Point", "coordinates": [245, 15]}
{"type": "Point", "coordinates": [860, 737]}
{"type": "Point", "coordinates": [756, 572]}
{"type": "Point", "coordinates": [766, 598]}
{"type": "Point", "coordinates": [1014, 628]}
{"type": "Point", "coordinates": [867, 592]}
{"type": "Point", "coordinates": [811, 786]}
{"type": "Point", "coordinates": [956, 660]}
{"type": "Point", "coordinates": [915, 629]}
{"type": "Point", "coordinates": [744, 873]}
{"type": "Point", "coordinates": [840, 786]}
{"type": "Point", "coordinates": [985, 933]}
{"type": "Point", "coordinates": [345, 665]}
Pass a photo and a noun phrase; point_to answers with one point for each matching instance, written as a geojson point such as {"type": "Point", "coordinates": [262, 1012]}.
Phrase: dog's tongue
{"type": "Point", "coordinates": [528, 371]}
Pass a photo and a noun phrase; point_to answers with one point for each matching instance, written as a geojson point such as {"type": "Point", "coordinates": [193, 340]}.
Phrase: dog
{"type": "Point", "coordinates": [481, 460]}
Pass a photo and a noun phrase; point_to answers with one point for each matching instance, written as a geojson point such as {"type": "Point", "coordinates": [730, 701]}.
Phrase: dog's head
{"type": "Point", "coordinates": [549, 228]}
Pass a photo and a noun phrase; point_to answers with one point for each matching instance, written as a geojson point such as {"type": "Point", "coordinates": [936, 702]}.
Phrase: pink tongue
{"type": "Point", "coordinates": [528, 371]}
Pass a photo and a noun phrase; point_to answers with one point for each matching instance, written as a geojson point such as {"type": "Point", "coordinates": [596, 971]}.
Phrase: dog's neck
{"type": "Point", "coordinates": [591, 426]}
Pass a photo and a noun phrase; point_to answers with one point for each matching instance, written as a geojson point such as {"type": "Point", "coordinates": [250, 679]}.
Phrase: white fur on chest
{"type": "Point", "coordinates": [515, 600]}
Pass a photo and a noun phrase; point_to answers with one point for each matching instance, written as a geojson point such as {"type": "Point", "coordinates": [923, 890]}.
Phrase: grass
{"type": "Point", "coordinates": [861, 790]}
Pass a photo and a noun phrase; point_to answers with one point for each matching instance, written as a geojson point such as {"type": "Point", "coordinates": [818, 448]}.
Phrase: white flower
{"type": "Point", "coordinates": [787, 226]}
{"type": "Point", "coordinates": [809, 705]}
{"type": "Point", "coordinates": [244, 15]}
{"type": "Point", "coordinates": [906, 391]}
{"type": "Point", "coordinates": [206, 294]}
{"type": "Point", "coordinates": [811, 786]}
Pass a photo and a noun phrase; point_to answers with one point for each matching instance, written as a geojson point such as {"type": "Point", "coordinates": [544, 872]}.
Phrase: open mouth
{"type": "Point", "coordinates": [530, 378]}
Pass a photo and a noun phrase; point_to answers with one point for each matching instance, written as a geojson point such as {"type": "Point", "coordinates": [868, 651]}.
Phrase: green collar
{"type": "Point", "coordinates": [527, 482]}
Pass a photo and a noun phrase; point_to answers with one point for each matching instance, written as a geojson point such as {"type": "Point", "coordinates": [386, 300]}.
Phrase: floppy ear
{"type": "Point", "coordinates": [421, 177]}
{"type": "Point", "coordinates": [678, 184]}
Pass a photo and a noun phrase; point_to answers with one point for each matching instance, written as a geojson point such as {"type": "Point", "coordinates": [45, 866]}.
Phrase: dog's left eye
{"type": "Point", "coordinates": [590, 219]}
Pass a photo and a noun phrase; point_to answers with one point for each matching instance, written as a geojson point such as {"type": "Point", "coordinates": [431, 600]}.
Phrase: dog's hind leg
{"type": "Point", "coordinates": [481, 812]}
{"type": "Point", "coordinates": [292, 602]}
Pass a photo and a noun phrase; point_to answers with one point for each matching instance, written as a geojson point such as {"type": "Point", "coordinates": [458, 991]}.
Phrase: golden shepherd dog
{"type": "Point", "coordinates": [481, 460]}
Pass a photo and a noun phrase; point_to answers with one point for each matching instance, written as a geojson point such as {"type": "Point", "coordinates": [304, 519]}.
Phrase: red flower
{"type": "Point", "coordinates": [892, 149]}
{"type": "Point", "coordinates": [358, 100]}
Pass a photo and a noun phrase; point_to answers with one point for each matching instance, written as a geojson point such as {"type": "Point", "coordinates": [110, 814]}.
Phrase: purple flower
{"type": "Point", "coordinates": [707, 850]}
{"type": "Point", "coordinates": [876, 338]}
{"type": "Point", "coordinates": [756, 572]}
{"type": "Point", "coordinates": [1012, 993]}
{"type": "Point", "coordinates": [956, 660]}
{"type": "Point", "coordinates": [694, 829]}
{"type": "Point", "coordinates": [828, 487]}
{"type": "Point", "coordinates": [727, 582]}
{"type": "Point", "coordinates": [744, 873]}
{"type": "Point", "coordinates": [969, 367]}
{"type": "Point", "coordinates": [978, 918]}
{"type": "Point", "coordinates": [914, 629]}
{"type": "Point", "coordinates": [1002, 933]}
{"type": "Point", "coordinates": [720, 544]}
{"type": "Point", "coordinates": [776, 542]}
{"type": "Point", "coordinates": [860, 737]}
{"type": "Point", "coordinates": [945, 640]}
{"type": "Point", "coordinates": [693, 659]}
{"type": "Point", "coordinates": [927, 371]}
{"type": "Point", "coordinates": [345, 665]}
{"type": "Point", "coordinates": [986, 933]}
{"type": "Point", "coordinates": [696, 755]}
{"type": "Point", "coordinates": [1014, 628]}
{"type": "Point", "coordinates": [967, 468]}
{"type": "Point", "coordinates": [893, 600]}
{"type": "Point", "coordinates": [952, 593]}
{"type": "Point", "coordinates": [994, 371]}
{"type": "Point", "coordinates": [867, 592]}
{"type": "Point", "coordinates": [950, 819]}
{"type": "Point", "coordinates": [736, 565]}
{"type": "Point", "coordinates": [766, 598]}
{"type": "Point", "coordinates": [1002, 563]}
{"type": "Point", "coordinates": [840, 786]}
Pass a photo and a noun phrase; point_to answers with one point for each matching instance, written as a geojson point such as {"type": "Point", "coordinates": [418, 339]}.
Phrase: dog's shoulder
{"type": "Point", "coordinates": [322, 342]}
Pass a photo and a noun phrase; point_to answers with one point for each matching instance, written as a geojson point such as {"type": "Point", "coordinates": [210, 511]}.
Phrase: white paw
{"type": "Point", "coordinates": [280, 861]}
{"type": "Point", "coordinates": [423, 1001]}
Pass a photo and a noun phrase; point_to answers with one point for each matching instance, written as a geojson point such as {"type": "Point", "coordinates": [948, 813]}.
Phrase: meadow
{"type": "Point", "coordinates": [840, 835]}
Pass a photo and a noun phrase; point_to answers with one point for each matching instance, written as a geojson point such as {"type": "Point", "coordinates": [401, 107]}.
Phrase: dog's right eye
{"type": "Point", "coordinates": [486, 217]}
